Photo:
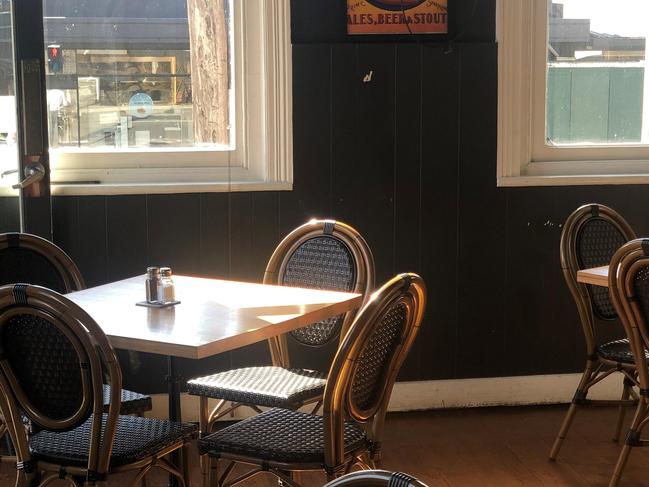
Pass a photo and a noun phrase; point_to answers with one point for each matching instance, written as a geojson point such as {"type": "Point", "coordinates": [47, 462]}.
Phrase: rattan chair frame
{"type": "Point", "coordinates": [376, 478]}
{"type": "Point", "coordinates": [364, 273]}
{"type": "Point", "coordinates": [99, 360]}
{"type": "Point", "coordinates": [61, 261]}
{"type": "Point", "coordinates": [625, 265]}
{"type": "Point", "coordinates": [597, 368]}
{"type": "Point", "coordinates": [338, 403]}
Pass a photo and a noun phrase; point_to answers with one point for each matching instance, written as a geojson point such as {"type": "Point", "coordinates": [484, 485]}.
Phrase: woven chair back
{"type": "Point", "coordinates": [322, 254]}
{"type": "Point", "coordinates": [590, 237]}
{"type": "Point", "coordinates": [34, 260]}
{"type": "Point", "coordinates": [53, 358]}
{"type": "Point", "coordinates": [369, 358]}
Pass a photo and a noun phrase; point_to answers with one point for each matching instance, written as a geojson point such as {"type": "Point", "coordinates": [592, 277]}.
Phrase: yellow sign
{"type": "Point", "coordinates": [397, 16]}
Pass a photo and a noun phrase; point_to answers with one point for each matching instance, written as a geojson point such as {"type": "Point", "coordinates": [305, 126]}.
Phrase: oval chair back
{"type": "Point", "coordinates": [321, 254]}
{"type": "Point", "coordinates": [368, 360]}
{"type": "Point", "coordinates": [53, 357]}
{"type": "Point", "coordinates": [590, 237]}
{"type": "Point", "coordinates": [376, 478]}
{"type": "Point", "coordinates": [32, 259]}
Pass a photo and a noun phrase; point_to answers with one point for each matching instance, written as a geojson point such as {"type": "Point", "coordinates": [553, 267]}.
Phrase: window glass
{"type": "Point", "coordinates": [8, 142]}
{"type": "Point", "coordinates": [596, 73]}
{"type": "Point", "coordinates": [139, 74]}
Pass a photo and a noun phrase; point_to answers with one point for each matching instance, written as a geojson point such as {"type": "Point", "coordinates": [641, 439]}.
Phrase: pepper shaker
{"type": "Point", "coordinates": [152, 283]}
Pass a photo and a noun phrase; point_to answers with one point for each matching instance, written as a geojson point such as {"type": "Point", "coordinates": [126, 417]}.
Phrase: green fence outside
{"type": "Point", "coordinates": [595, 104]}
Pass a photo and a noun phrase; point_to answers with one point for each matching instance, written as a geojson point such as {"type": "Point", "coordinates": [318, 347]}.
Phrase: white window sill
{"type": "Point", "coordinates": [167, 188]}
{"type": "Point", "coordinates": [573, 180]}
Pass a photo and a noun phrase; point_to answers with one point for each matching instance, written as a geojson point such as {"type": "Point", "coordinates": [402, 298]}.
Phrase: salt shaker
{"type": "Point", "coordinates": [166, 291]}
{"type": "Point", "coordinates": [151, 284]}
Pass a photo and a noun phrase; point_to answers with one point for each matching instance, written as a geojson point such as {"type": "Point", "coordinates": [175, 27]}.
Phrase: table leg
{"type": "Point", "coordinates": [173, 386]}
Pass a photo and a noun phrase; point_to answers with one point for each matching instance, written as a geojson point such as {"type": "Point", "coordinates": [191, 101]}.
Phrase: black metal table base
{"type": "Point", "coordinates": [175, 414]}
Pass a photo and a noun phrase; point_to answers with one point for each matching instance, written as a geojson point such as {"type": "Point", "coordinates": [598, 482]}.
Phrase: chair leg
{"type": "Point", "coordinates": [632, 439]}
{"type": "Point", "coordinates": [580, 395]}
{"type": "Point", "coordinates": [213, 472]}
{"type": "Point", "coordinates": [626, 394]}
{"type": "Point", "coordinates": [186, 470]}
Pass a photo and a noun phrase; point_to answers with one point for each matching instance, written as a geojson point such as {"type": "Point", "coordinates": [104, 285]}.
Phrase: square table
{"type": "Point", "coordinates": [214, 316]}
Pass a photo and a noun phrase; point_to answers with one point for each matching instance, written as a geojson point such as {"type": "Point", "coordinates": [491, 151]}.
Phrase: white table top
{"type": "Point", "coordinates": [214, 316]}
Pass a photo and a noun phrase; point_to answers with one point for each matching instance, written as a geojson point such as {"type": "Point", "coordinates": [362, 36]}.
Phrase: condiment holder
{"type": "Point", "coordinates": [160, 290]}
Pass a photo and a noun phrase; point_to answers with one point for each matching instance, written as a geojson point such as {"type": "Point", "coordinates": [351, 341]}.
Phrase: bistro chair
{"type": "Point", "coordinates": [629, 288]}
{"type": "Point", "coordinates": [32, 259]}
{"type": "Point", "coordinates": [349, 432]}
{"type": "Point", "coordinates": [590, 237]}
{"type": "Point", "coordinates": [321, 254]}
{"type": "Point", "coordinates": [376, 478]}
{"type": "Point", "coordinates": [53, 359]}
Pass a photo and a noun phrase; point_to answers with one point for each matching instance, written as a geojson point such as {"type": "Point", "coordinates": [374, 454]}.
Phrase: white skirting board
{"type": "Point", "coordinates": [459, 393]}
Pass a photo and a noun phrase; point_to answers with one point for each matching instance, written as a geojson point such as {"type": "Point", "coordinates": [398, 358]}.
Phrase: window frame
{"type": "Point", "coordinates": [263, 158]}
{"type": "Point", "coordinates": [524, 159]}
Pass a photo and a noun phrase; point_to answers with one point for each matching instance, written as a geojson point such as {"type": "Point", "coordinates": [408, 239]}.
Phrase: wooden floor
{"type": "Point", "coordinates": [497, 447]}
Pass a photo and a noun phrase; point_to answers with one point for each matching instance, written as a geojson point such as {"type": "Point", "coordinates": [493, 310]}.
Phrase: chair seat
{"type": "Point", "coordinates": [279, 435]}
{"type": "Point", "coordinates": [136, 439]}
{"type": "Point", "coordinates": [132, 402]}
{"type": "Point", "coordinates": [618, 351]}
{"type": "Point", "coordinates": [262, 386]}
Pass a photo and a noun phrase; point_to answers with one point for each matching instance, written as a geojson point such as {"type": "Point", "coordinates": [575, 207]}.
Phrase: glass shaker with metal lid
{"type": "Point", "coordinates": [166, 290]}
{"type": "Point", "coordinates": [151, 284]}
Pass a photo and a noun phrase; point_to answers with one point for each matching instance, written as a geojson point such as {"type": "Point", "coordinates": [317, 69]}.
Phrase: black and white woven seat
{"type": "Point", "coordinates": [34, 260]}
{"type": "Point", "coordinates": [136, 439]}
{"type": "Point", "coordinates": [281, 436]}
{"type": "Point", "coordinates": [355, 401]}
{"type": "Point", "coordinates": [321, 254]}
{"type": "Point", "coordinates": [132, 402]}
{"type": "Point", "coordinates": [618, 351]}
{"type": "Point", "coordinates": [262, 386]}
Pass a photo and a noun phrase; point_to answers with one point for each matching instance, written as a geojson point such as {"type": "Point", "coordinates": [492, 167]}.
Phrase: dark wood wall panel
{"type": "Point", "coordinates": [439, 210]}
{"type": "Point", "coordinates": [482, 220]}
{"type": "Point", "coordinates": [9, 214]}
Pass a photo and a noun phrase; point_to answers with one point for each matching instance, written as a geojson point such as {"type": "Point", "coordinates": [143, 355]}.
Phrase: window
{"type": "Point", "coordinates": [572, 81]}
{"type": "Point", "coordinates": [8, 145]}
{"type": "Point", "coordinates": [168, 95]}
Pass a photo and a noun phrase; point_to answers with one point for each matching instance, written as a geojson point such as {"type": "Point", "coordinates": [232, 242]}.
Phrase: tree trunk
{"type": "Point", "coordinates": [208, 37]}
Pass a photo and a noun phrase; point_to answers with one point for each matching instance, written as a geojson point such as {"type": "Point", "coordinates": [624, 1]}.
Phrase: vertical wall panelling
{"type": "Point", "coordinates": [407, 165]}
{"type": "Point", "coordinates": [310, 197]}
{"type": "Point", "coordinates": [346, 82]}
{"type": "Point", "coordinates": [173, 229]}
{"type": "Point", "coordinates": [215, 235]}
{"type": "Point", "coordinates": [126, 228]}
{"type": "Point", "coordinates": [482, 220]}
{"type": "Point", "coordinates": [439, 209]}
{"type": "Point", "coordinates": [9, 216]}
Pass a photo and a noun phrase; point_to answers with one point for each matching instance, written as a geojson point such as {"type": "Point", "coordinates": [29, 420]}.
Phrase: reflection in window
{"type": "Point", "coordinates": [596, 72]}
{"type": "Point", "coordinates": [8, 143]}
{"type": "Point", "coordinates": [133, 74]}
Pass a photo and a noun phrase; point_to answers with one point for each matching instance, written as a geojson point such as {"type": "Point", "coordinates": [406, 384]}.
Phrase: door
{"type": "Point", "coordinates": [25, 203]}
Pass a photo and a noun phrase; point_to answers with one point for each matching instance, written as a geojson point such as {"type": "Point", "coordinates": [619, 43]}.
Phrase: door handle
{"type": "Point", "coordinates": [33, 173]}
{"type": "Point", "coordinates": [7, 173]}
